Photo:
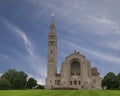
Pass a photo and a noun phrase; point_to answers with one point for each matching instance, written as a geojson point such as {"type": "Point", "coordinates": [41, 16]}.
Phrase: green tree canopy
{"type": "Point", "coordinates": [31, 83]}
{"type": "Point", "coordinates": [110, 81]}
{"type": "Point", "coordinates": [23, 79]}
{"type": "Point", "coordinates": [16, 79]}
{"type": "Point", "coordinates": [118, 80]}
{"type": "Point", "coordinates": [4, 84]}
{"type": "Point", "coordinates": [10, 76]}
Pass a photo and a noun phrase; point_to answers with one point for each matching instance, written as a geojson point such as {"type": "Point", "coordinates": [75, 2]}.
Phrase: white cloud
{"type": "Point", "coordinates": [22, 35]}
{"type": "Point", "coordinates": [103, 25]}
{"type": "Point", "coordinates": [26, 41]}
{"type": "Point", "coordinates": [104, 21]}
{"type": "Point", "coordinates": [8, 59]}
{"type": "Point", "coordinates": [107, 57]}
{"type": "Point", "coordinates": [115, 45]}
{"type": "Point", "coordinates": [76, 13]}
{"type": "Point", "coordinates": [0, 74]}
{"type": "Point", "coordinates": [34, 60]}
{"type": "Point", "coordinates": [116, 29]}
{"type": "Point", "coordinates": [39, 80]}
{"type": "Point", "coordinates": [71, 14]}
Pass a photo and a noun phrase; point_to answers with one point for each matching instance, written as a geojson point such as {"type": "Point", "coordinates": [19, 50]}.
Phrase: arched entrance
{"type": "Point", "coordinates": [75, 68]}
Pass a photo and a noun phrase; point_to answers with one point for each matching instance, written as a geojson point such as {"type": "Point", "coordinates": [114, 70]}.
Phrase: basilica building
{"type": "Point", "coordinates": [76, 71]}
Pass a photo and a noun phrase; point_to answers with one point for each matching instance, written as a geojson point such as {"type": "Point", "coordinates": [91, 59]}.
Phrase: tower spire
{"type": "Point", "coordinates": [52, 25]}
{"type": "Point", "coordinates": [52, 55]}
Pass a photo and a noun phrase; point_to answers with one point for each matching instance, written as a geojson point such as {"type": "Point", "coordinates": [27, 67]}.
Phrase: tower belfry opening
{"type": "Point", "coordinates": [76, 71]}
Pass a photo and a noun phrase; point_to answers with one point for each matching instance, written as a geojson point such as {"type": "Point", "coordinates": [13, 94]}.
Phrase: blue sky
{"type": "Point", "coordinates": [88, 26]}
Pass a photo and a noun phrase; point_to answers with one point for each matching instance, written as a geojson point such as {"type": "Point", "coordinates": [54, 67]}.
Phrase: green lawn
{"type": "Point", "coordinates": [59, 93]}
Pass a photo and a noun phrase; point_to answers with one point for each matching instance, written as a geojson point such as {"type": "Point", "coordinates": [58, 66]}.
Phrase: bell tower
{"type": "Point", "coordinates": [52, 55]}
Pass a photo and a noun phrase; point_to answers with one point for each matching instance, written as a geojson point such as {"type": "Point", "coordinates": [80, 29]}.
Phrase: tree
{"type": "Point", "coordinates": [31, 83]}
{"type": "Point", "coordinates": [10, 76]}
{"type": "Point", "coordinates": [110, 81]}
{"type": "Point", "coordinates": [4, 84]}
{"type": "Point", "coordinates": [40, 87]}
{"type": "Point", "coordinates": [22, 78]}
{"type": "Point", "coordinates": [16, 79]}
{"type": "Point", "coordinates": [118, 80]}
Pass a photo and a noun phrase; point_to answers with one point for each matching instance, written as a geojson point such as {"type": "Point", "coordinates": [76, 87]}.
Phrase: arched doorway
{"type": "Point", "coordinates": [75, 68]}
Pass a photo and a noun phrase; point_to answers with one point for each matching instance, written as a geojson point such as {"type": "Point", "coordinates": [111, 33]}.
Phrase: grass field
{"type": "Point", "coordinates": [59, 93]}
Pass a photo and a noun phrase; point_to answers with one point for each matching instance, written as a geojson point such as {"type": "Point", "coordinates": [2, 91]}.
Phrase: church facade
{"type": "Point", "coordinates": [76, 71]}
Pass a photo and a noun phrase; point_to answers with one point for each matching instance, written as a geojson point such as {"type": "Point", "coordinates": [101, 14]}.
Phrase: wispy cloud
{"type": "Point", "coordinates": [104, 25]}
{"type": "Point", "coordinates": [0, 74]}
{"type": "Point", "coordinates": [10, 61]}
{"type": "Point", "coordinates": [87, 25]}
{"type": "Point", "coordinates": [33, 59]}
{"type": "Point", "coordinates": [39, 80]}
{"type": "Point", "coordinates": [115, 45]}
{"type": "Point", "coordinates": [3, 57]}
{"type": "Point", "coordinates": [26, 41]}
{"type": "Point", "coordinates": [22, 35]}
{"type": "Point", "coordinates": [102, 20]}
{"type": "Point", "coordinates": [107, 57]}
